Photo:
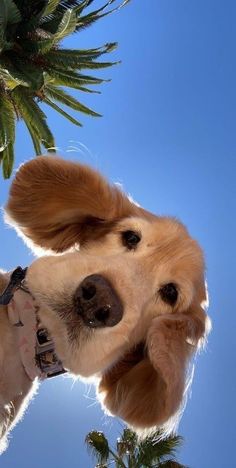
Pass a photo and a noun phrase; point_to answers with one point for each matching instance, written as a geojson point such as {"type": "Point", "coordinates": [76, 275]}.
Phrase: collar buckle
{"type": "Point", "coordinates": [46, 358]}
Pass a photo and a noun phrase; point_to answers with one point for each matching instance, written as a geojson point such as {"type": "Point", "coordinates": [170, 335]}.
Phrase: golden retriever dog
{"type": "Point", "coordinates": [119, 291]}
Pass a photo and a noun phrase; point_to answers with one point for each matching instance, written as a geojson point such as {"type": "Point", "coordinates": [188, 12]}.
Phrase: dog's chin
{"type": "Point", "coordinates": [76, 363]}
{"type": "Point", "coordinates": [112, 365]}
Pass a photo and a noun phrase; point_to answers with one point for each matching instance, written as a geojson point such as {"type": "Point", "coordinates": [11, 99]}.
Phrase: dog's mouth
{"type": "Point", "coordinates": [97, 302]}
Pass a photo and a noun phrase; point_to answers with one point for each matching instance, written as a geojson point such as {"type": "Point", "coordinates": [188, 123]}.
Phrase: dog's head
{"type": "Point", "coordinates": [124, 299]}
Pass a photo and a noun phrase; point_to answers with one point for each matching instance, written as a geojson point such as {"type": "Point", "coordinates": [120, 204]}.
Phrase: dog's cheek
{"type": "Point", "coordinates": [46, 274]}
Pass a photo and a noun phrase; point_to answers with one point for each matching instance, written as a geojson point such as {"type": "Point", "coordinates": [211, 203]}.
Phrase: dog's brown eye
{"type": "Point", "coordinates": [130, 239]}
{"type": "Point", "coordinates": [169, 293]}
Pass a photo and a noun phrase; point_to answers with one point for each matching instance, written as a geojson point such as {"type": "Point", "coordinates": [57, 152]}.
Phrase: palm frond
{"type": "Point", "coordinates": [76, 59]}
{"type": "Point", "coordinates": [7, 134]}
{"type": "Point", "coordinates": [66, 26]}
{"type": "Point", "coordinates": [8, 161]}
{"type": "Point", "coordinates": [50, 7]}
{"type": "Point", "coordinates": [127, 442]}
{"type": "Point", "coordinates": [87, 90]}
{"type": "Point", "coordinates": [171, 464]}
{"type": "Point", "coordinates": [37, 47]}
{"type": "Point", "coordinates": [62, 112]}
{"type": "Point", "coordinates": [97, 444]}
{"type": "Point", "coordinates": [31, 13]}
{"type": "Point", "coordinates": [83, 4]}
{"type": "Point", "coordinates": [32, 114]}
{"type": "Point", "coordinates": [32, 74]}
{"type": "Point", "coordinates": [58, 94]}
{"type": "Point", "coordinates": [9, 13]}
{"type": "Point", "coordinates": [49, 80]}
{"type": "Point", "coordinates": [35, 136]}
{"type": "Point", "coordinates": [11, 81]}
{"type": "Point", "coordinates": [51, 23]}
{"type": "Point", "coordinates": [154, 448]}
{"type": "Point", "coordinates": [31, 8]}
{"type": "Point", "coordinates": [88, 20]}
{"type": "Point", "coordinates": [72, 79]}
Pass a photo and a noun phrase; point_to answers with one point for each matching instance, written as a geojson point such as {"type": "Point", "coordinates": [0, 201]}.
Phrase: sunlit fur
{"type": "Point", "coordinates": [141, 363]}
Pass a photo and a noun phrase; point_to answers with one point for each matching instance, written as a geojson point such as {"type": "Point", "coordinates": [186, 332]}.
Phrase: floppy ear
{"type": "Point", "coordinates": [147, 390]}
{"type": "Point", "coordinates": [57, 203]}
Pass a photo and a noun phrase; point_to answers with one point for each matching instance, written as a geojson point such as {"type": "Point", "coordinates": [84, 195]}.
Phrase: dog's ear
{"type": "Point", "coordinates": [147, 390]}
{"type": "Point", "coordinates": [57, 203]}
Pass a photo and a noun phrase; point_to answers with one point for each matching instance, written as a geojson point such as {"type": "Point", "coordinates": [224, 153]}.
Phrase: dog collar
{"type": "Point", "coordinates": [35, 344]}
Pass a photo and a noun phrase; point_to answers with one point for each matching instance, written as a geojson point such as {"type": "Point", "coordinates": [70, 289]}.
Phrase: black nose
{"type": "Point", "coordinates": [97, 302]}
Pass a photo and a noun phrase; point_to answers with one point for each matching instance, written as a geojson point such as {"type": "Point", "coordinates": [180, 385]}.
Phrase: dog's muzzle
{"type": "Point", "coordinates": [97, 302]}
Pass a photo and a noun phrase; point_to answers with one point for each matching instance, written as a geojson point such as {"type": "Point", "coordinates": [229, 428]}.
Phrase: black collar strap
{"type": "Point", "coordinates": [15, 282]}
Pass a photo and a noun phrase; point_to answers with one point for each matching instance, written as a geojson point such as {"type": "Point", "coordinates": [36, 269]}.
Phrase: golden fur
{"type": "Point", "coordinates": [140, 364]}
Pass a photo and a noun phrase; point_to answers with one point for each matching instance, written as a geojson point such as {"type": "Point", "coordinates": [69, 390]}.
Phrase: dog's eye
{"type": "Point", "coordinates": [169, 293]}
{"type": "Point", "coordinates": [130, 239]}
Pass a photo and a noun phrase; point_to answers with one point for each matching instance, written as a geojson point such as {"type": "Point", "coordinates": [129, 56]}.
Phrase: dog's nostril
{"type": "Point", "coordinates": [88, 292]}
{"type": "Point", "coordinates": [102, 314]}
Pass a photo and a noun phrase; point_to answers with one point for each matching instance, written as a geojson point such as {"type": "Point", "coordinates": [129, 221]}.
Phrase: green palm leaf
{"type": "Point", "coordinates": [127, 442]}
{"type": "Point", "coordinates": [33, 75]}
{"type": "Point", "coordinates": [8, 161]}
{"type": "Point", "coordinates": [32, 114]}
{"type": "Point", "coordinates": [62, 112]}
{"type": "Point", "coordinates": [152, 448]}
{"type": "Point", "coordinates": [59, 95]}
{"type": "Point", "coordinates": [35, 136]}
{"type": "Point", "coordinates": [7, 116]}
{"type": "Point", "coordinates": [72, 79]}
{"type": "Point", "coordinates": [38, 46]}
{"type": "Point", "coordinates": [9, 13]}
{"type": "Point", "coordinates": [31, 12]}
{"type": "Point", "coordinates": [83, 5]}
{"type": "Point", "coordinates": [66, 26]}
{"type": "Point", "coordinates": [50, 7]}
{"type": "Point", "coordinates": [8, 69]}
{"type": "Point", "coordinates": [98, 445]}
{"type": "Point", "coordinates": [94, 16]}
{"type": "Point", "coordinates": [10, 80]}
{"type": "Point", "coordinates": [74, 59]}
{"type": "Point", "coordinates": [7, 134]}
{"type": "Point", "coordinates": [170, 464]}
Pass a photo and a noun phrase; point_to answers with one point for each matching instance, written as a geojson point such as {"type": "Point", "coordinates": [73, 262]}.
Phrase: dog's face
{"type": "Point", "coordinates": [127, 306]}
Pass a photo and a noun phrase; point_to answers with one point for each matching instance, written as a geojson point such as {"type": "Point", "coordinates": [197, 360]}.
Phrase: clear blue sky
{"type": "Point", "coordinates": [168, 135]}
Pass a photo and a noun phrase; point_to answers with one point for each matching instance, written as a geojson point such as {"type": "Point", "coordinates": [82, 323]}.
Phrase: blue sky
{"type": "Point", "coordinates": [168, 135]}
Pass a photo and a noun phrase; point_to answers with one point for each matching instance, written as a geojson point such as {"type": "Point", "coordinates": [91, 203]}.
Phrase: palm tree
{"type": "Point", "coordinates": [34, 67]}
{"type": "Point", "coordinates": [131, 452]}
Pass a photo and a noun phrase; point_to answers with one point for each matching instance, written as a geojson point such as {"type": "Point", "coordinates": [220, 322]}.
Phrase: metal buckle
{"type": "Point", "coordinates": [46, 358]}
